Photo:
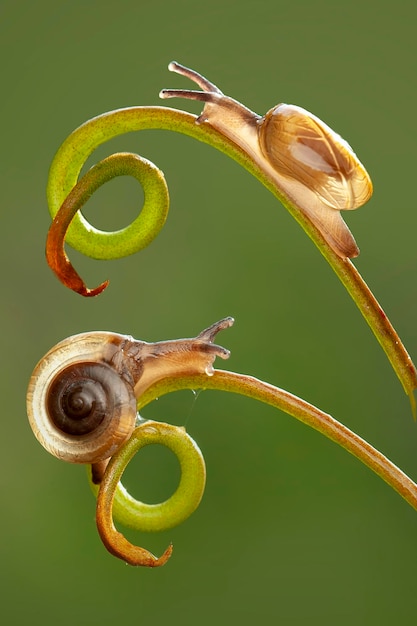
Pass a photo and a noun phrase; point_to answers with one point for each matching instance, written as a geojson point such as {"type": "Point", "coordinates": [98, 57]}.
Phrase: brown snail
{"type": "Point", "coordinates": [81, 399]}
{"type": "Point", "coordinates": [312, 165]}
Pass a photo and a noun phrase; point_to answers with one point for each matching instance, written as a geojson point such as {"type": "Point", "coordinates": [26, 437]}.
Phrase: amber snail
{"type": "Point", "coordinates": [81, 400]}
{"type": "Point", "coordinates": [313, 166]}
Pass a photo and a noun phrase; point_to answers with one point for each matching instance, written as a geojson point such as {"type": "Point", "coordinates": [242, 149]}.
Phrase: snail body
{"type": "Point", "coordinates": [82, 395]}
{"type": "Point", "coordinates": [312, 165]}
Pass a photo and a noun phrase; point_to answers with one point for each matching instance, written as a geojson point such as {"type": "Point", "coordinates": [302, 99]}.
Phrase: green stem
{"type": "Point", "coordinates": [301, 410]}
{"type": "Point", "coordinates": [82, 236]}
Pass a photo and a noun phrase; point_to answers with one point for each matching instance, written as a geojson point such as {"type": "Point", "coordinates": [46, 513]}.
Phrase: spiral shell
{"type": "Point", "coordinates": [80, 406]}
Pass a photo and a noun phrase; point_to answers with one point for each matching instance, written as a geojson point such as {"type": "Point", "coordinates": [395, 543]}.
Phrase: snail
{"type": "Point", "coordinates": [312, 165]}
{"type": "Point", "coordinates": [81, 400]}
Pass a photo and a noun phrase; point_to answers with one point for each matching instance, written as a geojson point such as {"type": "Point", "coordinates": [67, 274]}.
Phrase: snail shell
{"type": "Point", "coordinates": [80, 407]}
{"type": "Point", "coordinates": [300, 146]}
{"type": "Point", "coordinates": [312, 165]}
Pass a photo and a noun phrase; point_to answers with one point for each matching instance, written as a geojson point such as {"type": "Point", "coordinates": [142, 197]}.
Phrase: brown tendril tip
{"type": "Point", "coordinates": [56, 256]}
{"type": "Point", "coordinates": [60, 264]}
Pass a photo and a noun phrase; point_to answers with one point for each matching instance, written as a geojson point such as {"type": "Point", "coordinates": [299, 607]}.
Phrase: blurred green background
{"type": "Point", "coordinates": [292, 529]}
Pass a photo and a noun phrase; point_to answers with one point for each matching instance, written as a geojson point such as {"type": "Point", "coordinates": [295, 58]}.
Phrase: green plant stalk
{"type": "Point", "coordinates": [82, 236]}
{"type": "Point", "coordinates": [324, 423]}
